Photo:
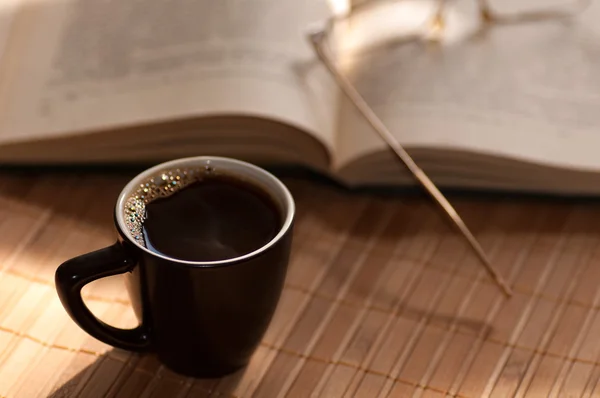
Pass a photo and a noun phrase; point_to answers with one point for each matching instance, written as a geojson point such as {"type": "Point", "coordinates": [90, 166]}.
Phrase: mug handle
{"type": "Point", "coordinates": [72, 275]}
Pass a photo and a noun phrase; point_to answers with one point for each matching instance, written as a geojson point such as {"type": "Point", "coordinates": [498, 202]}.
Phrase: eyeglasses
{"type": "Point", "coordinates": [428, 22]}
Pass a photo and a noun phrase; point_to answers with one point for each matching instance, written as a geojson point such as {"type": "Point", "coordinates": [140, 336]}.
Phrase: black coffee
{"type": "Point", "coordinates": [217, 218]}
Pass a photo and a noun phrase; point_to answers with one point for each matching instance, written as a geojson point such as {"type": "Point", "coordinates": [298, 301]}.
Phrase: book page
{"type": "Point", "coordinates": [8, 10]}
{"type": "Point", "coordinates": [78, 65]}
{"type": "Point", "coordinates": [528, 91]}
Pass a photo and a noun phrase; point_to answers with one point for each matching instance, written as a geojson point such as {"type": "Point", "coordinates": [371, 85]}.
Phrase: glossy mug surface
{"type": "Point", "coordinates": [201, 318]}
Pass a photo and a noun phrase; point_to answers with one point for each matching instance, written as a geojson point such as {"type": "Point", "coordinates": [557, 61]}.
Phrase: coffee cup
{"type": "Point", "coordinates": [201, 318]}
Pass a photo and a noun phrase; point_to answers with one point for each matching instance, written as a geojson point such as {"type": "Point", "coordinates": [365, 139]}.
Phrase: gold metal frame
{"type": "Point", "coordinates": [318, 39]}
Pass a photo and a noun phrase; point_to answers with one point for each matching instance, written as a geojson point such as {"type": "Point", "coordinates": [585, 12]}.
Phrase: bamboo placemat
{"type": "Point", "coordinates": [382, 299]}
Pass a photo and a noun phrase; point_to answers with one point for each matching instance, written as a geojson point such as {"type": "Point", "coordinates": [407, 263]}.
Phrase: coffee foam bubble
{"type": "Point", "coordinates": [160, 185]}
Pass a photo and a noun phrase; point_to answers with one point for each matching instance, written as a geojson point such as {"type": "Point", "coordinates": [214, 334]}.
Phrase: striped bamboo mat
{"type": "Point", "coordinates": [382, 299]}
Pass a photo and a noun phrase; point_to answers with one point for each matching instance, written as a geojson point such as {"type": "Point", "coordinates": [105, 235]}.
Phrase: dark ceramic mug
{"type": "Point", "coordinates": [202, 319]}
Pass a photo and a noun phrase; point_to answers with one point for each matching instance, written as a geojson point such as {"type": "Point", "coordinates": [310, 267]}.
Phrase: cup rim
{"type": "Point", "coordinates": [290, 208]}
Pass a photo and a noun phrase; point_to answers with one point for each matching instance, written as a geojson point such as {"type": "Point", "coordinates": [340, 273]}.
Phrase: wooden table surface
{"type": "Point", "coordinates": [382, 299]}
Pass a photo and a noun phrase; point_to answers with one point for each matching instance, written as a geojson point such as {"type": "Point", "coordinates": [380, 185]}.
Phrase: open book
{"type": "Point", "coordinates": [94, 81]}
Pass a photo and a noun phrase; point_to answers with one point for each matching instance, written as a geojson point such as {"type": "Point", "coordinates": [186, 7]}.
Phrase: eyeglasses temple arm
{"type": "Point", "coordinates": [316, 38]}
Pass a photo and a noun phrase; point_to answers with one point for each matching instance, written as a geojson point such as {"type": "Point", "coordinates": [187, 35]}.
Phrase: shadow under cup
{"type": "Point", "coordinates": [202, 319]}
